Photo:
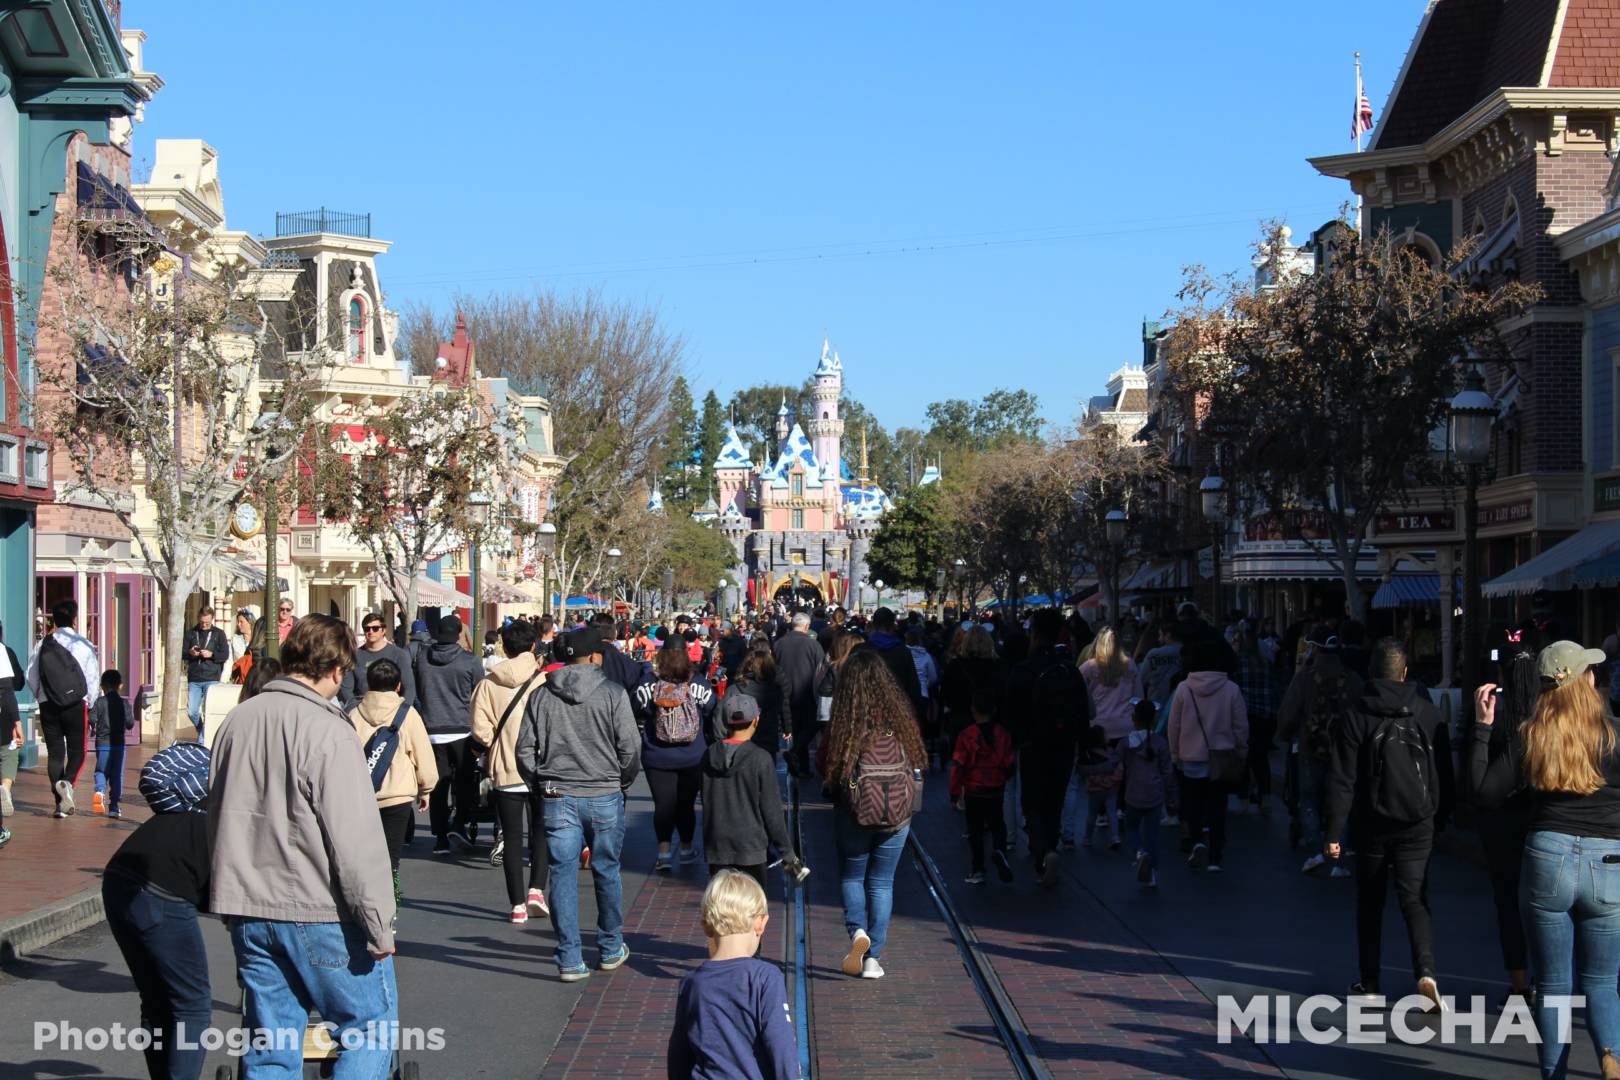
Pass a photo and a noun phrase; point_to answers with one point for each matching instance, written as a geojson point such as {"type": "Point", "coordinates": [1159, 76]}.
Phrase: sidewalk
{"type": "Point", "coordinates": [52, 868]}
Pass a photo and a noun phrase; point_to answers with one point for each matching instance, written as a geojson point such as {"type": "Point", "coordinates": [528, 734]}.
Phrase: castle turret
{"type": "Point", "coordinates": [825, 427]}
{"type": "Point", "coordinates": [783, 422]}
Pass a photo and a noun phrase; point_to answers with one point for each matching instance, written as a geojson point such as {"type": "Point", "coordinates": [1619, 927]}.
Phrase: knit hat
{"type": "Point", "coordinates": [1563, 661]}
{"type": "Point", "coordinates": [176, 779]}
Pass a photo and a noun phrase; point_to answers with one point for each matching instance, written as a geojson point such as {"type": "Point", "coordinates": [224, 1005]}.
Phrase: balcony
{"type": "Point", "coordinates": [308, 222]}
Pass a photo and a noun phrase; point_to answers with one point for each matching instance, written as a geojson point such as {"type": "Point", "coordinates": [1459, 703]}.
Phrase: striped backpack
{"type": "Point", "coordinates": [884, 791]}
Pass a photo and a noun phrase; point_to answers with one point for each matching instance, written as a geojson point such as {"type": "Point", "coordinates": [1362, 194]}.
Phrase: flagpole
{"type": "Point", "coordinates": [1358, 103]}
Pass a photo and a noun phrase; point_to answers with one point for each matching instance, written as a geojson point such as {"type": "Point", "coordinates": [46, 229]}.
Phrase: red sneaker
{"type": "Point", "coordinates": [585, 858]}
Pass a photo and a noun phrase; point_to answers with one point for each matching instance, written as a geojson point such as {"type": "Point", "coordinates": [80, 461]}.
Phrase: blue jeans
{"type": "Point", "coordinates": [110, 773]}
{"type": "Point", "coordinates": [1571, 903]}
{"type": "Point", "coordinates": [1313, 773]}
{"type": "Point", "coordinates": [866, 862]}
{"type": "Point", "coordinates": [163, 947]}
{"type": "Point", "coordinates": [289, 970]}
{"type": "Point", "coordinates": [571, 822]}
{"type": "Point", "coordinates": [1142, 828]}
{"type": "Point", "coordinates": [1074, 797]}
{"type": "Point", "coordinates": [194, 703]}
{"type": "Point", "coordinates": [1097, 805]}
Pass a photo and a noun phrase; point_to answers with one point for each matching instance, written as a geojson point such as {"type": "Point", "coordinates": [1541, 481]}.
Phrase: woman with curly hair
{"type": "Point", "coordinates": [872, 718]}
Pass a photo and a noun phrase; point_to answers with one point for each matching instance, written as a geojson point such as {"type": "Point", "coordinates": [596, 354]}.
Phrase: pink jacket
{"type": "Point", "coordinates": [1111, 705]}
{"type": "Point", "coordinates": [1216, 700]}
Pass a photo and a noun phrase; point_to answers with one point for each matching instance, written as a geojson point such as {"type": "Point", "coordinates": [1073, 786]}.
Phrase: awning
{"type": "Point", "coordinates": [433, 594]}
{"type": "Point", "coordinates": [1299, 565]}
{"type": "Point", "coordinates": [1156, 577]}
{"type": "Point", "coordinates": [1411, 590]}
{"type": "Point", "coordinates": [497, 591]}
{"type": "Point", "coordinates": [1086, 590]}
{"type": "Point", "coordinates": [244, 577]}
{"type": "Point", "coordinates": [1554, 570]}
{"type": "Point", "coordinates": [1601, 573]}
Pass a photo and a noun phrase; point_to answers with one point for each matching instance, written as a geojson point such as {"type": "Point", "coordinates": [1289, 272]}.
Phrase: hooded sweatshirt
{"type": "Point", "coordinates": [579, 735]}
{"type": "Point", "coordinates": [354, 683]}
{"type": "Point", "coordinates": [1111, 706]}
{"type": "Point", "coordinates": [491, 699]}
{"type": "Point", "coordinates": [1147, 783]}
{"type": "Point", "coordinates": [445, 676]}
{"type": "Point", "coordinates": [1350, 775]}
{"type": "Point", "coordinates": [742, 808]}
{"type": "Point", "coordinates": [413, 772]}
{"type": "Point", "coordinates": [1214, 699]}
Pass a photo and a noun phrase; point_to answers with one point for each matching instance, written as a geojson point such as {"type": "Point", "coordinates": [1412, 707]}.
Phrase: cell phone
{"type": "Point", "coordinates": [1496, 692]}
{"type": "Point", "coordinates": [1496, 655]}
{"type": "Point", "coordinates": [1611, 858]}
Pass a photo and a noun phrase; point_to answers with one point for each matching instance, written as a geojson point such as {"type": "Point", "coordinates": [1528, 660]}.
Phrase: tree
{"type": "Point", "coordinates": [1007, 416]}
{"type": "Point", "coordinates": [1324, 390]}
{"type": "Point", "coordinates": [710, 432]}
{"type": "Point", "coordinates": [680, 446]}
{"type": "Point", "coordinates": [915, 541]}
{"type": "Point", "coordinates": [755, 408]}
{"type": "Point", "coordinates": [162, 391]}
{"type": "Point", "coordinates": [699, 554]}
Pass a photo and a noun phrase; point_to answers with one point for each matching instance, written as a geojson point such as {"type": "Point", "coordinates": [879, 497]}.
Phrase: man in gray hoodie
{"type": "Point", "coordinates": [445, 677]}
{"type": "Point", "coordinates": [579, 749]}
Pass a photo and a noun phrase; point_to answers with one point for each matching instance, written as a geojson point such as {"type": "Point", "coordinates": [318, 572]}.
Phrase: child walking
{"type": "Point", "coordinates": [1102, 773]}
{"type": "Point", "coordinates": [404, 783]}
{"type": "Point", "coordinates": [1149, 785]}
{"type": "Point", "coordinates": [742, 806]}
{"type": "Point", "coordinates": [984, 763]}
{"type": "Point", "coordinates": [110, 718]}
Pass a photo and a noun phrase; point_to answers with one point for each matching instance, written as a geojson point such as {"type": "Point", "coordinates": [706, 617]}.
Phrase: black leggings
{"type": "Point", "coordinates": [1502, 833]}
{"type": "Point", "coordinates": [458, 777]}
{"type": "Point", "coordinates": [1262, 733]}
{"type": "Point", "coordinates": [64, 731]}
{"type": "Point", "coordinates": [395, 820]}
{"type": "Point", "coordinates": [675, 793]}
{"type": "Point", "coordinates": [514, 807]}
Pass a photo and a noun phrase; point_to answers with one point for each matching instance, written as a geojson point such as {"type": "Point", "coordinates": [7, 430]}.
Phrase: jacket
{"type": "Point", "coordinates": [1350, 771]}
{"type": "Point", "coordinates": [984, 760]}
{"type": "Point", "coordinates": [414, 771]}
{"type": "Point", "coordinates": [768, 696]}
{"type": "Point", "coordinates": [1214, 699]}
{"type": "Point", "coordinates": [1299, 702]}
{"type": "Point", "coordinates": [1160, 667]}
{"type": "Point", "coordinates": [742, 806]}
{"type": "Point", "coordinates": [209, 669]}
{"type": "Point", "coordinates": [490, 699]}
{"type": "Point", "coordinates": [961, 678]}
{"type": "Point", "coordinates": [1147, 783]}
{"type": "Point", "coordinates": [1111, 706]}
{"type": "Point", "coordinates": [661, 755]}
{"type": "Point", "coordinates": [82, 651]}
{"type": "Point", "coordinates": [798, 660]}
{"type": "Point", "coordinates": [354, 683]}
{"type": "Point", "coordinates": [445, 677]}
{"type": "Point", "coordinates": [897, 655]}
{"type": "Point", "coordinates": [102, 720]}
{"type": "Point", "coordinates": [292, 822]}
{"type": "Point", "coordinates": [579, 735]}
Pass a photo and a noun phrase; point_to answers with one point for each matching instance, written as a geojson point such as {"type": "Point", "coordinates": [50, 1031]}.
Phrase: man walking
{"type": "Point", "coordinates": [377, 647]}
{"type": "Point", "coordinates": [798, 662]}
{"type": "Point", "coordinates": [1049, 711]}
{"type": "Point", "coordinates": [299, 863]}
{"type": "Point", "coordinates": [1391, 779]}
{"type": "Point", "coordinates": [65, 677]}
{"type": "Point", "coordinates": [206, 651]}
{"type": "Point", "coordinates": [579, 749]}
{"type": "Point", "coordinates": [445, 677]}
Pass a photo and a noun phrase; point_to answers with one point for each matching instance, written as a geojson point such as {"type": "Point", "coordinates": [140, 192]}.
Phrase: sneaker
{"type": "Point", "coordinates": [663, 862]}
{"type": "Point", "coordinates": [859, 942]}
{"type": "Point", "coordinates": [1003, 867]}
{"type": "Point", "coordinates": [460, 839]}
{"type": "Point", "coordinates": [7, 807]}
{"type": "Point", "coordinates": [1066, 844]}
{"type": "Point", "coordinates": [578, 974]}
{"type": "Point", "coordinates": [1102, 820]}
{"type": "Point", "coordinates": [1366, 991]}
{"type": "Point", "coordinates": [585, 857]}
{"type": "Point", "coordinates": [114, 812]}
{"type": "Point", "coordinates": [1171, 821]}
{"type": "Point", "coordinates": [537, 904]}
{"type": "Point", "coordinates": [1049, 871]}
{"type": "Point", "coordinates": [1152, 881]}
{"type": "Point", "coordinates": [497, 854]}
{"type": "Point", "coordinates": [1213, 868]}
{"type": "Point", "coordinates": [98, 803]}
{"type": "Point", "coordinates": [1427, 987]}
{"type": "Point", "coordinates": [64, 797]}
{"type": "Point", "coordinates": [520, 915]}
{"type": "Point", "coordinates": [616, 960]}
{"type": "Point", "coordinates": [59, 814]}
{"type": "Point", "coordinates": [871, 969]}
{"type": "Point", "coordinates": [441, 846]}
{"type": "Point", "coordinates": [689, 855]}
{"type": "Point", "coordinates": [1314, 863]}
{"type": "Point", "coordinates": [975, 878]}
{"type": "Point", "coordinates": [1144, 869]}
{"type": "Point", "coordinates": [1199, 857]}
{"type": "Point", "coordinates": [5, 837]}
{"type": "Point", "coordinates": [1339, 872]}
{"type": "Point", "coordinates": [1113, 845]}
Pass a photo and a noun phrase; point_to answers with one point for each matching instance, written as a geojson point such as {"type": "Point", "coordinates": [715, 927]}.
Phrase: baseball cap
{"type": "Point", "coordinates": [739, 710]}
{"type": "Point", "coordinates": [582, 642]}
{"type": "Point", "coordinates": [1563, 661]}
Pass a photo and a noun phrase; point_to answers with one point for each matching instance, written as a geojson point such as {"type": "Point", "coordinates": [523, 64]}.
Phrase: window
{"type": "Point", "coordinates": [8, 462]}
{"type": "Point", "coordinates": [796, 557]}
{"type": "Point", "coordinates": [36, 465]}
{"type": "Point", "coordinates": [798, 485]}
{"type": "Point", "coordinates": [146, 616]}
{"type": "Point", "coordinates": [798, 519]}
{"type": "Point", "coordinates": [90, 616]}
{"type": "Point", "coordinates": [357, 331]}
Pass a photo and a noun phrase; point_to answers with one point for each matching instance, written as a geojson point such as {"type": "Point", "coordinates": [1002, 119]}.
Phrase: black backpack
{"type": "Point", "coordinates": [1060, 702]}
{"type": "Point", "coordinates": [61, 679]}
{"type": "Point", "coordinates": [1402, 787]}
{"type": "Point", "coordinates": [1328, 706]}
{"type": "Point", "coordinates": [382, 746]}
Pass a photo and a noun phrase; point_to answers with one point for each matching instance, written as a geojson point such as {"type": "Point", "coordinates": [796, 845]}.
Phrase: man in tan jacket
{"type": "Point", "coordinates": [412, 771]}
{"type": "Point", "coordinates": [497, 714]}
{"type": "Point", "coordinates": [299, 866]}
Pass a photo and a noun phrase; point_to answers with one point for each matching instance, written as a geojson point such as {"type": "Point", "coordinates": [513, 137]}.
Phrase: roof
{"type": "Point", "coordinates": [1135, 399]}
{"type": "Point", "coordinates": [830, 364]}
{"type": "Point", "coordinates": [1588, 52]}
{"type": "Point", "coordinates": [733, 454]}
{"type": "Point", "coordinates": [795, 451]}
{"type": "Point", "coordinates": [870, 501]}
{"type": "Point", "coordinates": [1555, 569]}
{"type": "Point", "coordinates": [457, 355]}
{"type": "Point", "coordinates": [655, 502]}
{"type": "Point", "coordinates": [931, 475]}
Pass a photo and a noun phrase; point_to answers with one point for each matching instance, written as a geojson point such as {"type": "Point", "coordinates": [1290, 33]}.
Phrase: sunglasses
{"type": "Point", "coordinates": [373, 629]}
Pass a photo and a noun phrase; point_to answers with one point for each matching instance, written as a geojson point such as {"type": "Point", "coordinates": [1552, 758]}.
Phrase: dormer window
{"type": "Point", "coordinates": [357, 331]}
{"type": "Point", "coordinates": [798, 485]}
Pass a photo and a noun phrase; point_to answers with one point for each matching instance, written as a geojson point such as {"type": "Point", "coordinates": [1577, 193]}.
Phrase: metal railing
{"type": "Point", "coordinates": [305, 222]}
{"type": "Point", "coordinates": [281, 260]}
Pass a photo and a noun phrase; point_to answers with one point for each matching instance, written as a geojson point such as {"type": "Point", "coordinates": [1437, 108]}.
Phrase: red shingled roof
{"type": "Point", "coordinates": [1589, 48]}
{"type": "Point", "coordinates": [458, 354]}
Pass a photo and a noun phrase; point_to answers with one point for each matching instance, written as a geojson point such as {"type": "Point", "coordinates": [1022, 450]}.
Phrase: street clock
{"type": "Point", "coordinates": [245, 521]}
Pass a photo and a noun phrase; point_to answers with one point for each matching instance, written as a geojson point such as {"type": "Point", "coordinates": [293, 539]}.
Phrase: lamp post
{"type": "Point", "coordinates": [1473, 412]}
{"type": "Point", "coordinates": [878, 585]}
{"type": "Point", "coordinates": [959, 568]}
{"type": "Point", "coordinates": [478, 507]}
{"type": "Point", "coordinates": [720, 599]}
{"type": "Point", "coordinates": [669, 590]}
{"type": "Point", "coordinates": [1114, 530]}
{"type": "Point", "coordinates": [274, 422]}
{"type": "Point", "coordinates": [939, 592]}
{"type": "Point", "coordinates": [545, 543]}
{"type": "Point", "coordinates": [794, 606]}
{"type": "Point", "coordinates": [613, 557]}
{"type": "Point", "coordinates": [1212, 493]}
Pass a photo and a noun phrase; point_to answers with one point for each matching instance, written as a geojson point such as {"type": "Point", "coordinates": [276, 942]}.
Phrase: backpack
{"type": "Point", "coordinates": [381, 747]}
{"type": "Point", "coordinates": [675, 721]}
{"type": "Point", "coordinates": [1402, 786]}
{"type": "Point", "coordinates": [826, 685]}
{"type": "Point", "coordinates": [61, 679]}
{"type": "Point", "coordinates": [884, 791]}
{"type": "Point", "coordinates": [1060, 699]}
{"type": "Point", "coordinates": [1328, 706]}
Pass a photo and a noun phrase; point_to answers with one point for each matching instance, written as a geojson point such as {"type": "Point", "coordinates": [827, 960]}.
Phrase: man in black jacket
{"type": "Point", "coordinates": [1391, 779]}
{"type": "Point", "coordinates": [798, 665]}
{"type": "Point", "coordinates": [890, 645]}
{"type": "Point", "coordinates": [445, 677]}
{"type": "Point", "coordinates": [206, 652]}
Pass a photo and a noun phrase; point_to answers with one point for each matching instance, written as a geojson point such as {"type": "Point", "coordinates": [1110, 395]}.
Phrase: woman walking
{"type": "Point", "coordinates": [1257, 678]}
{"type": "Point", "coordinates": [757, 679]}
{"type": "Point", "coordinates": [1567, 759]}
{"type": "Point", "coordinates": [1503, 829]}
{"type": "Point", "coordinates": [1209, 743]}
{"type": "Point", "coordinates": [498, 705]}
{"type": "Point", "coordinates": [873, 727]}
{"type": "Point", "coordinates": [673, 708]}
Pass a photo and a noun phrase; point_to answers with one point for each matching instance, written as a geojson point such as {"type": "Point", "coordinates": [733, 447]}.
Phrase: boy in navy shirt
{"type": "Point", "coordinates": [731, 1015]}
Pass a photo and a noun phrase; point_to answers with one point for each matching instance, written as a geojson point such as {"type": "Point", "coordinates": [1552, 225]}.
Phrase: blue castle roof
{"type": "Point", "coordinates": [733, 455]}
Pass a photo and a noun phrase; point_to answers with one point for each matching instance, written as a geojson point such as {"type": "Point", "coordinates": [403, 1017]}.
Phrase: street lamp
{"type": "Point", "coordinates": [878, 585]}
{"type": "Point", "coordinates": [669, 590]}
{"type": "Point", "coordinates": [478, 508]}
{"type": "Point", "coordinates": [1212, 492]}
{"type": "Point", "coordinates": [613, 556]}
{"type": "Point", "coordinates": [720, 599]}
{"type": "Point", "coordinates": [1114, 530]}
{"type": "Point", "coordinates": [1473, 413]}
{"type": "Point", "coordinates": [939, 591]}
{"type": "Point", "coordinates": [545, 543]}
{"type": "Point", "coordinates": [795, 605]}
{"type": "Point", "coordinates": [959, 568]}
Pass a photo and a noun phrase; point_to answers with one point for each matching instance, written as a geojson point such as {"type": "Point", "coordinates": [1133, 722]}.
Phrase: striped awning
{"type": "Point", "coordinates": [1411, 591]}
{"type": "Point", "coordinates": [434, 594]}
{"type": "Point", "coordinates": [1558, 568]}
{"type": "Point", "coordinates": [495, 590]}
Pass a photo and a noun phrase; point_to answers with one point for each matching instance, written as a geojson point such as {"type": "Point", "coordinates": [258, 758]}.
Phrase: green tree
{"type": "Point", "coordinates": [916, 540]}
{"type": "Point", "coordinates": [679, 443]}
{"type": "Point", "coordinates": [1006, 416]}
{"type": "Point", "coordinates": [711, 432]}
{"type": "Point", "coordinates": [699, 554]}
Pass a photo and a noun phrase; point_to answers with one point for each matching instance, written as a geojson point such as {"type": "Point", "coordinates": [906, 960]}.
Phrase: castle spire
{"type": "Point", "coordinates": [865, 477]}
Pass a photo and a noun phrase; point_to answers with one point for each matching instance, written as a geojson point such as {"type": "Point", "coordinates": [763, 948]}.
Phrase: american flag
{"type": "Point", "coordinates": [1363, 120]}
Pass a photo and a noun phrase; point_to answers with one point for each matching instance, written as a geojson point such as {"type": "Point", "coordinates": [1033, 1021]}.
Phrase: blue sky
{"type": "Point", "coordinates": [963, 195]}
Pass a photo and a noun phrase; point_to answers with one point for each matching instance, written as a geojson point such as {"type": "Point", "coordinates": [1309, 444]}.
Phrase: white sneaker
{"type": "Point", "coordinates": [537, 904]}
{"type": "Point", "coordinates": [871, 969]}
{"type": "Point", "coordinates": [1315, 862]}
{"type": "Point", "coordinates": [1199, 857]}
{"type": "Point", "coordinates": [853, 964]}
{"type": "Point", "coordinates": [1171, 821]}
{"type": "Point", "coordinates": [7, 807]}
{"type": "Point", "coordinates": [64, 795]}
{"type": "Point", "coordinates": [520, 915]}
{"type": "Point", "coordinates": [1427, 987]}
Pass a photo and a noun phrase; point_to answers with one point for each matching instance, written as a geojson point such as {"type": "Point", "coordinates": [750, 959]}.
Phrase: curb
{"type": "Point", "coordinates": [30, 932]}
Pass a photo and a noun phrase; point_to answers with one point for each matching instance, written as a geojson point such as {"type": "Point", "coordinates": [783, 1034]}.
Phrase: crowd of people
{"type": "Point", "coordinates": [1050, 734]}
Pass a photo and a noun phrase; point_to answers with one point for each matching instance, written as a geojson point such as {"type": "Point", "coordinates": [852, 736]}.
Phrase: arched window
{"type": "Point", "coordinates": [357, 331]}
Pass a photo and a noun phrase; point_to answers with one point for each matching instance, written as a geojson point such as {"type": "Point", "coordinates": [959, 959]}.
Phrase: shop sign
{"type": "Point", "coordinates": [1505, 513]}
{"type": "Point", "coordinates": [1606, 493]}
{"type": "Point", "coordinates": [1293, 525]}
{"type": "Point", "coordinates": [1412, 521]}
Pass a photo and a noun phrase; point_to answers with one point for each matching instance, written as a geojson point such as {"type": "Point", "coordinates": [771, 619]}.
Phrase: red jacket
{"type": "Point", "coordinates": [984, 760]}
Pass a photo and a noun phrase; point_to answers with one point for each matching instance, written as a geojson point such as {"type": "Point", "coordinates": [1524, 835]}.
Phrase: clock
{"type": "Point", "coordinates": [245, 521]}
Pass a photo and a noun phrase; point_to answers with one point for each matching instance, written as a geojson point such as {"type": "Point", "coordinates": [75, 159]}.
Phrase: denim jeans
{"type": "Point", "coordinates": [196, 698]}
{"type": "Point", "coordinates": [1099, 804]}
{"type": "Point", "coordinates": [1571, 903]}
{"type": "Point", "coordinates": [289, 970]}
{"type": "Point", "coordinates": [1074, 800]}
{"type": "Point", "coordinates": [571, 822]}
{"type": "Point", "coordinates": [1313, 773]}
{"type": "Point", "coordinates": [866, 862]}
{"type": "Point", "coordinates": [163, 946]}
{"type": "Point", "coordinates": [110, 773]}
{"type": "Point", "coordinates": [1142, 829]}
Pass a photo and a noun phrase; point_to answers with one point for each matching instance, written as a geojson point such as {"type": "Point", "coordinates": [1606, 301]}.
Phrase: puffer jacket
{"type": "Point", "coordinates": [413, 772]}
{"type": "Point", "coordinates": [490, 699]}
{"type": "Point", "coordinates": [1215, 700]}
